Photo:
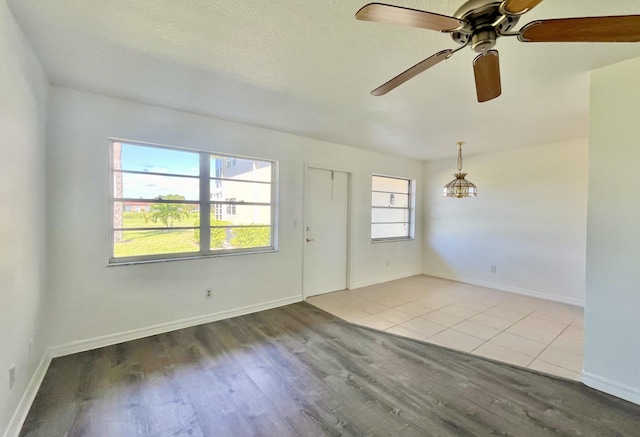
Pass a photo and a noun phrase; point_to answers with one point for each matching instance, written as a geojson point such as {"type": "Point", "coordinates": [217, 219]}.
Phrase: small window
{"type": "Point", "coordinates": [168, 203]}
{"type": "Point", "coordinates": [231, 206]}
{"type": "Point", "coordinates": [392, 214]}
{"type": "Point", "coordinates": [217, 211]}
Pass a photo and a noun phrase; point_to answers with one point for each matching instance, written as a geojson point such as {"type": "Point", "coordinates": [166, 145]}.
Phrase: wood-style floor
{"type": "Point", "coordinates": [298, 371]}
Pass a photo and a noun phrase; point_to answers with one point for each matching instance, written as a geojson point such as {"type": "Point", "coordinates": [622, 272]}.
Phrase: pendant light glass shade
{"type": "Point", "coordinates": [460, 187]}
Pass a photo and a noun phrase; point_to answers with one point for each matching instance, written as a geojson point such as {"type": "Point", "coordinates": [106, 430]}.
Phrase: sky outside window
{"type": "Point", "coordinates": [158, 160]}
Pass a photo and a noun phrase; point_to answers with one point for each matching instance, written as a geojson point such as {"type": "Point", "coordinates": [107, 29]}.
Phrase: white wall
{"type": "Point", "coordinates": [529, 220]}
{"type": "Point", "coordinates": [90, 300]}
{"type": "Point", "coordinates": [612, 317]}
{"type": "Point", "coordinates": [23, 88]}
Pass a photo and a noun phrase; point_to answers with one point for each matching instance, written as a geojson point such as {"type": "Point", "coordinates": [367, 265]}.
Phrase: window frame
{"type": "Point", "coordinates": [410, 208]}
{"type": "Point", "coordinates": [207, 205]}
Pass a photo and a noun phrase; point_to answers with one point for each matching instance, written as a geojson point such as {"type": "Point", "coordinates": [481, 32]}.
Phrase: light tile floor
{"type": "Point", "coordinates": [529, 332]}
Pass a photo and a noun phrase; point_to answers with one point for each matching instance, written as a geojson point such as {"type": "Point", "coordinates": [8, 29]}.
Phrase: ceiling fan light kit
{"type": "Point", "coordinates": [479, 23]}
{"type": "Point", "coordinates": [460, 187]}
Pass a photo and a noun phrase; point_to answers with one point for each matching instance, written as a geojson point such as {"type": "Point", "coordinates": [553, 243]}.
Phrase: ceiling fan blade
{"type": "Point", "coordinates": [518, 7]}
{"type": "Point", "coordinates": [381, 13]}
{"type": "Point", "coordinates": [486, 69]}
{"type": "Point", "coordinates": [625, 28]}
{"type": "Point", "coordinates": [412, 72]}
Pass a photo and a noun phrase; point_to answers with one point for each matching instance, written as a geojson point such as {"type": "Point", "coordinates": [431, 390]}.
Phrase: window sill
{"type": "Point", "coordinates": [116, 263]}
{"type": "Point", "coordinates": [391, 240]}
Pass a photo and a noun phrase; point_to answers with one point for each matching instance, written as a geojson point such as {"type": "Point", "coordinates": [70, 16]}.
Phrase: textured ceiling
{"type": "Point", "coordinates": [307, 67]}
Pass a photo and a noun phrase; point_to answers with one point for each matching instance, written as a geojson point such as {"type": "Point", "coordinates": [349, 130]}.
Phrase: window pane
{"type": "Point", "coordinates": [381, 215]}
{"type": "Point", "coordinates": [155, 215]}
{"type": "Point", "coordinates": [382, 183]}
{"type": "Point", "coordinates": [241, 191]}
{"type": "Point", "coordinates": [138, 243]}
{"type": "Point", "coordinates": [240, 238]}
{"type": "Point", "coordinates": [147, 180]}
{"type": "Point", "coordinates": [158, 160]}
{"type": "Point", "coordinates": [239, 168]}
{"type": "Point", "coordinates": [389, 230]}
{"type": "Point", "coordinates": [390, 199]}
{"type": "Point", "coordinates": [238, 214]}
{"type": "Point", "coordinates": [141, 186]}
{"type": "Point", "coordinates": [391, 212]}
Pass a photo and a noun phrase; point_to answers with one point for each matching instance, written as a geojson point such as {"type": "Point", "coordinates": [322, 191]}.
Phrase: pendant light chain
{"type": "Point", "coordinates": [460, 156]}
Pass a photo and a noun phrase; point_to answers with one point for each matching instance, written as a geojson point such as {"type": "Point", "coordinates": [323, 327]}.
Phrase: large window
{"type": "Point", "coordinates": [176, 203]}
{"type": "Point", "coordinates": [391, 208]}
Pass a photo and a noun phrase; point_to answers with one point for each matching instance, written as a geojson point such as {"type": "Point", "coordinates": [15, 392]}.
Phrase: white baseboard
{"type": "Point", "coordinates": [383, 279]}
{"type": "Point", "coordinates": [606, 385]}
{"type": "Point", "coordinates": [134, 334]}
{"type": "Point", "coordinates": [20, 414]}
{"type": "Point", "coordinates": [517, 290]}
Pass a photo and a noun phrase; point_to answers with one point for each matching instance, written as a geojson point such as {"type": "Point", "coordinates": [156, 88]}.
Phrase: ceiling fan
{"type": "Point", "coordinates": [479, 23]}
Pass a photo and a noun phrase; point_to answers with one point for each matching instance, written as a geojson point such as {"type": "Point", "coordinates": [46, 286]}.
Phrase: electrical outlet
{"type": "Point", "coordinates": [208, 293]}
{"type": "Point", "coordinates": [493, 269]}
{"type": "Point", "coordinates": [12, 376]}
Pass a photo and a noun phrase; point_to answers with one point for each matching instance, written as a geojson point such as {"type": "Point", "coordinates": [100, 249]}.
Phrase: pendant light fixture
{"type": "Point", "coordinates": [460, 187]}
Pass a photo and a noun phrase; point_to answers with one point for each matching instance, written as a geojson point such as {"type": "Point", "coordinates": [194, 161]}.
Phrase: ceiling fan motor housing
{"type": "Point", "coordinates": [485, 24]}
{"type": "Point", "coordinates": [483, 40]}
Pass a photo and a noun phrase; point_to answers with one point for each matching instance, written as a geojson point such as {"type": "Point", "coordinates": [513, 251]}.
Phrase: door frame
{"type": "Point", "coordinates": [305, 196]}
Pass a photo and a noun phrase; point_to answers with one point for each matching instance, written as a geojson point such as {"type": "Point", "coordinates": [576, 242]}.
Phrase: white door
{"type": "Point", "coordinates": [326, 213]}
